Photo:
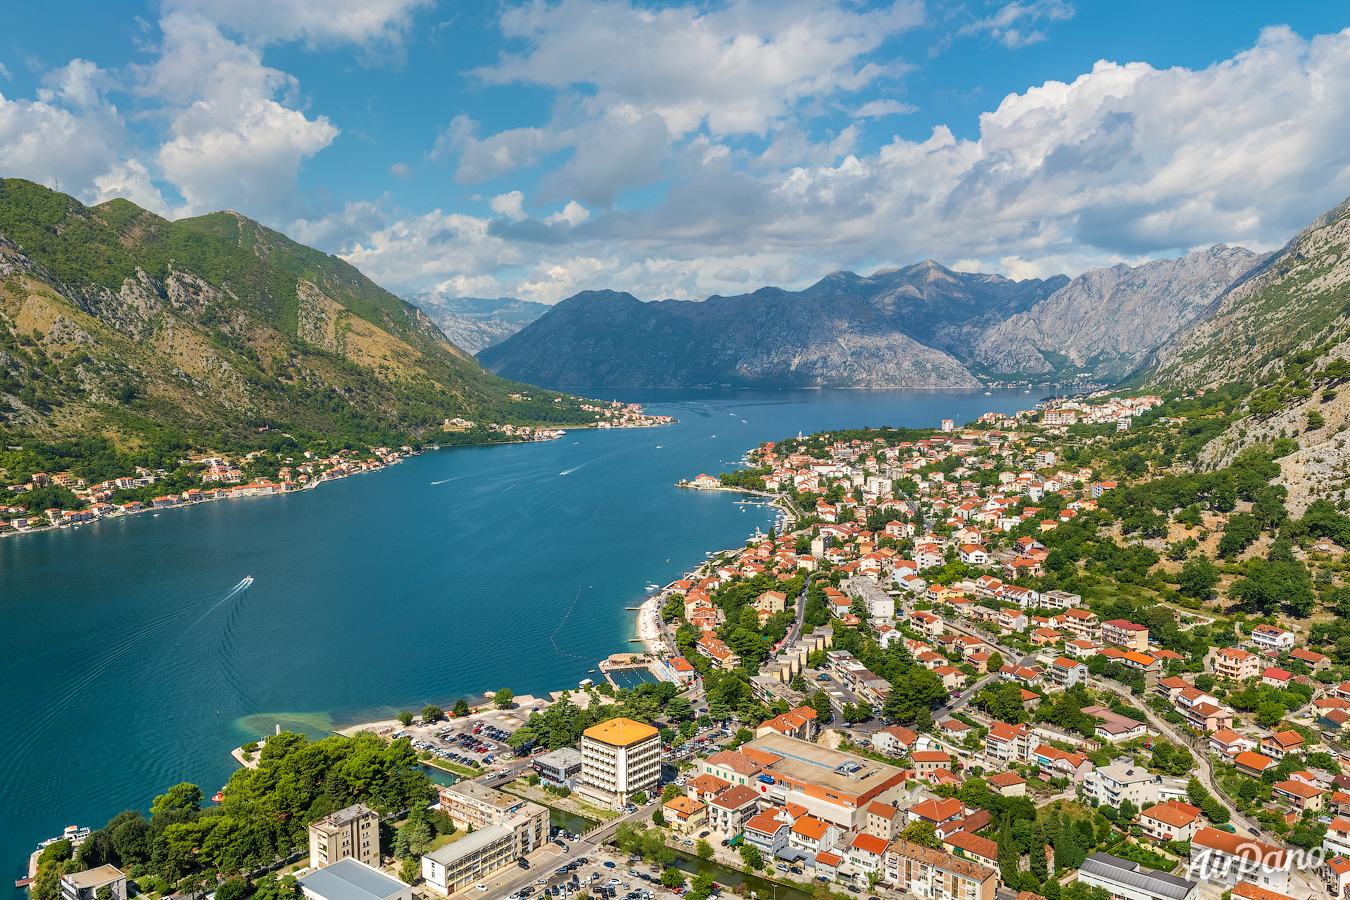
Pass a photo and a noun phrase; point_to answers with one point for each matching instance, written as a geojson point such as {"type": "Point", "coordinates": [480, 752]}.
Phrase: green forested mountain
{"type": "Point", "coordinates": [116, 321]}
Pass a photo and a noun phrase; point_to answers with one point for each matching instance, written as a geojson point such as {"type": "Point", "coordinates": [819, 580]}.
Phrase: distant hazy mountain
{"type": "Point", "coordinates": [473, 322]}
{"type": "Point", "coordinates": [920, 326]}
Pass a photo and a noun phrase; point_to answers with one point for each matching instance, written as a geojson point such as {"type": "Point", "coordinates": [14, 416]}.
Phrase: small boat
{"type": "Point", "coordinates": [987, 394]}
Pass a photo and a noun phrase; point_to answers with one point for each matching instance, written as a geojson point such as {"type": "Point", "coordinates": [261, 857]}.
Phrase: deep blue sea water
{"type": "Point", "coordinates": [127, 664]}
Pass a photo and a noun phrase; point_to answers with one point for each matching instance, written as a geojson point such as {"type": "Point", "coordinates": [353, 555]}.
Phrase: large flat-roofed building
{"type": "Point", "coordinates": [1130, 881]}
{"type": "Point", "coordinates": [351, 879]}
{"type": "Point", "coordinates": [619, 758]}
{"type": "Point", "coordinates": [561, 767]}
{"type": "Point", "coordinates": [351, 833]}
{"type": "Point", "coordinates": [472, 804]}
{"type": "Point", "coordinates": [85, 885]}
{"type": "Point", "coordinates": [470, 859]}
{"type": "Point", "coordinates": [831, 785]}
{"type": "Point", "coordinates": [516, 833]}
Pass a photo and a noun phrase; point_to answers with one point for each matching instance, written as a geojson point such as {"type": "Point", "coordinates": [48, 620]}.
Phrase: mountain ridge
{"type": "Point", "coordinates": [921, 325]}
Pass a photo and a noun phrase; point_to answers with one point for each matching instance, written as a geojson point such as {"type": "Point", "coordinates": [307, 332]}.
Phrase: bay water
{"type": "Point", "coordinates": [130, 659]}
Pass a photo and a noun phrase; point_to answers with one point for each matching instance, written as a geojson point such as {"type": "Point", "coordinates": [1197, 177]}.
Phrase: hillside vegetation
{"type": "Point", "coordinates": [118, 323]}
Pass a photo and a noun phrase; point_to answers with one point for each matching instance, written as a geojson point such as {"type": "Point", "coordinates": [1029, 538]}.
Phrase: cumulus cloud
{"type": "Point", "coordinates": [1124, 161]}
{"type": "Point", "coordinates": [233, 144]}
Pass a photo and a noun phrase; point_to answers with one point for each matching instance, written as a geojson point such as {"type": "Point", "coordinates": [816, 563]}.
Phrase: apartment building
{"type": "Point", "coordinates": [1067, 672]}
{"type": "Point", "coordinates": [935, 874]}
{"type": "Point", "coordinates": [1271, 637]}
{"type": "Point", "coordinates": [1008, 743]}
{"type": "Point", "coordinates": [1236, 664]}
{"type": "Point", "coordinates": [351, 833]}
{"type": "Point", "coordinates": [1121, 633]}
{"type": "Point", "coordinates": [1122, 781]}
{"type": "Point", "coordinates": [619, 758]}
{"type": "Point", "coordinates": [1228, 859]}
{"type": "Point", "coordinates": [86, 885]}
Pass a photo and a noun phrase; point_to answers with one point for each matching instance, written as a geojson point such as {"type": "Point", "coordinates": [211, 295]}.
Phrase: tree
{"type": "Point", "coordinates": [405, 718]}
{"type": "Point", "coordinates": [672, 877]}
{"type": "Point", "coordinates": [821, 704]}
{"type": "Point", "coordinates": [702, 887]}
{"type": "Point", "coordinates": [639, 799]}
{"type": "Point", "coordinates": [751, 857]}
{"type": "Point", "coordinates": [670, 792]}
{"type": "Point", "coordinates": [233, 889]}
{"type": "Point", "coordinates": [1006, 703]}
{"type": "Point", "coordinates": [679, 709]}
{"type": "Point", "coordinates": [410, 869]}
{"type": "Point", "coordinates": [703, 850]}
{"type": "Point", "coordinates": [1269, 713]}
{"type": "Point", "coordinates": [430, 713]}
{"type": "Point", "coordinates": [1215, 811]}
{"type": "Point", "coordinates": [658, 818]}
{"type": "Point", "coordinates": [461, 708]}
{"type": "Point", "coordinates": [995, 661]}
{"type": "Point", "coordinates": [503, 698]}
{"type": "Point", "coordinates": [182, 797]}
{"type": "Point", "coordinates": [921, 833]}
{"type": "Point", "coordinates": [105, 892]}
{"type": "Point", "coordinates": [1038, 863]}
{"type": "Point", "coordinates": [1128, 810]}
{"type": "Point", "coordinates": [1198, 578]}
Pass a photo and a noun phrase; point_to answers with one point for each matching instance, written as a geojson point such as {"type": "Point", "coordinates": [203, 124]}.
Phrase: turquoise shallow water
{"type": "Point", "coordinates": [128, 665]}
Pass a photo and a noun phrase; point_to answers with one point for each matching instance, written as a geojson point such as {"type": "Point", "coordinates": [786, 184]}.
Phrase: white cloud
{"type": "Point", "coordinates": [875, 109]}
{"type": "Point", "coordinates": [573, 214]}
{"type": "Point", "coordinates": [5, 73]}
{"type": "Point", "coordinates": [232, 144]}
{"type": "Point", "coordinates": [377, 25]}
{"type": "Point", "coordinates": [739, 68]}
{"type": "Point", "coordinates": [509, 205]}
{"type": "Point", "coordinates": [399, 170]}
{"type": "Point", "coordinates": [1123, 162]}
{"type": "Point", "coordinates": [1014, 25]}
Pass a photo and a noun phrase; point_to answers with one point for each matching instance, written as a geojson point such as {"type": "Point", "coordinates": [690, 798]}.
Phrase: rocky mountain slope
{"type": "Point", "coordinates": [475, 323]}
{"type": "Point", "coordinates": [919, 326]}
{"type": "Point", "coordinates": [1106, 321]}
{"type": "Point", "coordinates": [1282, 330]}
{"type": "Point", "coordinates": [115, 320]}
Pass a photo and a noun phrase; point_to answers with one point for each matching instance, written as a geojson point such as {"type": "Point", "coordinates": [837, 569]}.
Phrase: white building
{"type": "Point", "coordinates": [619, 758]}
{"type": "Point", "coordinates": [1128, 880]}
{"type": "Point", "coordinates": [1122, 781]}
{"type": "Point", "coordinates": [350, 878]}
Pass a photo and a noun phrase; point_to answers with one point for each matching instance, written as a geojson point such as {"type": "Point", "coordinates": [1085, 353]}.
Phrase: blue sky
{"type": "Point", "coordinates": [681, 150]}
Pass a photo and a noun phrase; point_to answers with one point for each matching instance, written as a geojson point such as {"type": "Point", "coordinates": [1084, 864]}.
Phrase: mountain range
{"type": "Point", "coordinates": [114, 320]}
{"type": "Point", "coordinates": [475, 323]}
{"type": "Point", "coordinates": [919, 326]}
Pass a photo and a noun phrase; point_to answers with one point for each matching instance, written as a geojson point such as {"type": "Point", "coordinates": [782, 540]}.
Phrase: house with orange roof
{"type": "Point", "coordinates": [1008, 743]}
{"type": "Point", "coordinates": [827, 865]}
{"type": "Point", "coordinates": [683, 669]}
{"type": "Point", "coordinates": [767, 832]}
{"type": "Point", "coordinates": [929, 760]}
{"type": "Point", "coordinates": [894, 739]}
{"type": "Point", "coordinates": [1008, 784]}
{"type": "Point", "coordinates": [685, 814]}
{"type": "Point", "coordinates": [810, 835]}
{"type": "Point", "coordinates": [1300, 795]}
{"type": "Point", "coordinates": [1229, 743]}
{"type": "Point", "coordinates": [945, 814]}
{"type": "Point", "coordinates": [1337, 840]}
{"type": "Point", "coordinates": [799, 723]}
{"type": "Point", "coordinates": [1336, 873]}
{"type": "Point", "coordinates": [973, 847]}
{"type": "Point", "coordinates": [924, 872]}
{"type": "Point", "coordinates": [704, 787]}
{"type": "Point", "coordinates": [1170, 821]}
{"type": "Point", "coordinates": [1061, 763]}
{"type": "Point", "coordinates": [1253, 763]}
{"type": "Point", "coordinates": [1233, 858]}
{"type": "Point", "coordinates": [1282, 743]}
{"type": "Point", "coordinates": [730, 810]}
{"type": "Point", "coordinates": [866, 853]}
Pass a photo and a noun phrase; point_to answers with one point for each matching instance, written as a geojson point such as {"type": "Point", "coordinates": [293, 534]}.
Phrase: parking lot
{"type": "Point", "coordinates": [476, 745]}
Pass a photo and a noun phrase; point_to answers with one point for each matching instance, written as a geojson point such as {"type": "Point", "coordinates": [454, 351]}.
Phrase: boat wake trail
{"type": "Point", "coordinates": [571, 470]}
{"type": "Point", "coordinates": [232, 592]}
